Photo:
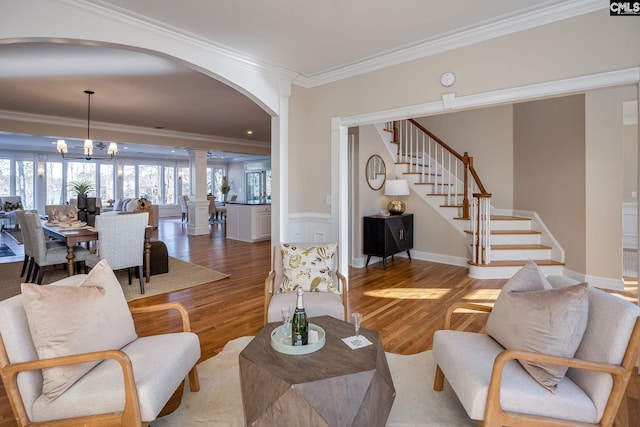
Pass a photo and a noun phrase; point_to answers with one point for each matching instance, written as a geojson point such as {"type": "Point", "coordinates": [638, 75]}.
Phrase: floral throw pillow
{"type": "Point", "coordinates": [312, 267]}
{"type": "Point", "coordinates": [8, 206]}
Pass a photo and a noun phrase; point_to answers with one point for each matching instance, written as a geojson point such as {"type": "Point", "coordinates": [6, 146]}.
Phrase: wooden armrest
{"type": "Point", "coordinates": [463, 305]}
{"type": "Point", "coordinates": [131, 408]}
{"type": "Point", "coordinates": [493, 409]}
{"type": "Point", "coordinates": [268, 292]}
{"type": "Point", "coordinates": [184, 314]}
{"type": "Point", "coordinates": [345, 294]}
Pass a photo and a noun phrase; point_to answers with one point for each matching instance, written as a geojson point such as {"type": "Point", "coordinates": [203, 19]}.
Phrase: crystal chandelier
{"type": "Point", "coordinates": [62, 148]}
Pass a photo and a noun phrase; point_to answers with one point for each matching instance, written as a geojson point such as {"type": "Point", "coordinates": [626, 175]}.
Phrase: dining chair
{"type": "Point", "coordinates": [29, 262]}
{"type": "Point", "coordinates": [183, 206]}
{"type": "Point", "coordinates": [121, 243]}
{"type": "Point", "coordinates": [47, 255]}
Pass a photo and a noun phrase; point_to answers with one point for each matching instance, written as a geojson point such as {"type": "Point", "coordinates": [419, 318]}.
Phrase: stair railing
{"type": "Point", "coordinates": [451, 173]}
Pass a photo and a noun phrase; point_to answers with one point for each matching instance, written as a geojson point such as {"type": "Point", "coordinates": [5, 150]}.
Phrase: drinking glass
{"type": "Point", "coordinates": [357, 317]}
{"type": "Point", "coordinates": [286, 315]}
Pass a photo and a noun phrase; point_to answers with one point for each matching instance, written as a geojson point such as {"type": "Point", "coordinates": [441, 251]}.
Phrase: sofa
{"type": "Point", "coordinates": [8, 204]}
{"type": "Point", "coordinates": [127, 206]}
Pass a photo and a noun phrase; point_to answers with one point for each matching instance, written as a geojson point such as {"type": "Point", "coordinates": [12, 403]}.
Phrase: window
{"type": "Point", "coordinates": [80, 172]}
{"type": "Point", "coordinates": [106, 182]}
{"type": "Point", "coordinates": [149, 182]}
{"type": "Point", "coordinates": [53, 178]}
{"type": "Point", "coordinates": [24, 182]}
{"type": "Point", "coordinates": [169, 185]}
{"type": "Point", "coordinates": [258, 185]}
{"type": "Point", "coordinates": [214, 181]}
{"type": "Point", "coordinates": [5, 176]}
{"type": "Point", "coordinates": [186, 178]}
{"type": "Point", "coordinates": [128, 182]}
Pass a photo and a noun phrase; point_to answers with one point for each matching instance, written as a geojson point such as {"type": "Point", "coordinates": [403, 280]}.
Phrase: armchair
{"type": "Point", "coordinates": [326, 290]}
{"type": "Point", "coordinates": [118, 379]}
{"type": "Point", "coordinates": [495, 384]}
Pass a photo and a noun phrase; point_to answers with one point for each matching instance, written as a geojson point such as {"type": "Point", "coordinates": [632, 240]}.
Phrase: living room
{"type": "Point", "coordinates": [310, 117]}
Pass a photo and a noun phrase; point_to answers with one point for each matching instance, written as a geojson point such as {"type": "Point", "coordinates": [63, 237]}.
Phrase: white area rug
{"type": "Point", "coordinates": [219, 401]}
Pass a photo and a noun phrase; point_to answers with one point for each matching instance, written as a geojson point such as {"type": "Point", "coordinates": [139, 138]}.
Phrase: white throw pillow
{"type": "Point", "coordinates": [312, 267]}
{"type": "Point", "coordinates": [68, 320]}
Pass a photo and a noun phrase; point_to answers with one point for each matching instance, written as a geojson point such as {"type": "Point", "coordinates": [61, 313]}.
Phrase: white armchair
{"type": "Point", "coordinates": [515, 385]}
{"type": "Point", "coordinates": [314, 266]}
{"type": "Point", "coordinates": [59, 369]}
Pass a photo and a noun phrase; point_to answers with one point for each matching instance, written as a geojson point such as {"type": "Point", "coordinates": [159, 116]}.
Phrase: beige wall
{"type": "Point", "coordinates": [555, 51]}
{"type": "Point", "coordinates": [549, 169]}
{"type": "Point", "coordinates": [487, 135]}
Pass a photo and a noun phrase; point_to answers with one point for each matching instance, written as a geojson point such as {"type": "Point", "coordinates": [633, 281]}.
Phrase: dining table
{"type": "Point", "coordinates": [84, 234]}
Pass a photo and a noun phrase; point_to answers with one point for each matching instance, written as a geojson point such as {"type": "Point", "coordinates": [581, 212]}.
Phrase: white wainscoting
{"type": "Point", "coordinates": [309, 227]}
{"type": "Point", "coordinates": [630, 225]}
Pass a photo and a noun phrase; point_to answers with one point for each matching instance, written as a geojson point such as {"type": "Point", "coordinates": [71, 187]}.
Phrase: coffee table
{"type": "Point", "coordinates": [334, 386]}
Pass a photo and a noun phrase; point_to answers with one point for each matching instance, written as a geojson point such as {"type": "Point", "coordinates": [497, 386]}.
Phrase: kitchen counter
{"type": "Point", "coordinates": [248, 222]}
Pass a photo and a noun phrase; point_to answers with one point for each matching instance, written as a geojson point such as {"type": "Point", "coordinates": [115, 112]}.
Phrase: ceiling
{"type": "Point", "coordinates": [310, 39]}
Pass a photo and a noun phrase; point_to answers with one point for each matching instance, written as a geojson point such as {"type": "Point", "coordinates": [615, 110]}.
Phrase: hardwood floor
{"type": "Point", "coordinates": [405, 303]}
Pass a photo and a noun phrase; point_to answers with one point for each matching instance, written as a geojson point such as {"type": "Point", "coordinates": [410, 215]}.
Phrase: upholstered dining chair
{"type": "Point", "coordinates": [48, 255]}
{"type": "Point", "coordinates": [70, 355]}
{"type": "Point", "coordinates": [28, 265]}
{"type": "Point", "coordinates": [315, 267]}
{"type": "Point", "coordinates": [121, 243]}
{"type": "Point", "coordinates": [183, 207]}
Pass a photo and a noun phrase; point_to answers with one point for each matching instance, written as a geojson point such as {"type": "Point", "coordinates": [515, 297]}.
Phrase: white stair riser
{"type": "Point", "coordinates": [510, 225]}
{"type": "Point", "coordinates": [520, 254]}
{"type": "Point", "coordinates": [515, 239]}
{"type": "Point", "coordinates": [479, 272]}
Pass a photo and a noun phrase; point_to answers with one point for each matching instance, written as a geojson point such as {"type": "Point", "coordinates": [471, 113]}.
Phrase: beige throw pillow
{"type": "Point", "coordinates": [312, 267]}
{"type": "Point", "coordinates": [530, 315]}
{"type": "Point", "coordinates": [67, 320]}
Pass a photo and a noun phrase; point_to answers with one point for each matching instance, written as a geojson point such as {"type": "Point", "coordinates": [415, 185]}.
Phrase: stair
{"type": "Point", "coordinates": [514, 240]}
{"type": "Point", "coordinates": [513, 244]}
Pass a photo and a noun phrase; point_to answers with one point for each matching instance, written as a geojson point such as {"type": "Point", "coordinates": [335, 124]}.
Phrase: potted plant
{"type": "Point", "coordinates": [82, 188]}
{"type": "Point", "coordinates": [224, 188]}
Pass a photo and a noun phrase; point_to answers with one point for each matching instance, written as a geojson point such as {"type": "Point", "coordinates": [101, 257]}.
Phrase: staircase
{"type": "Point", "coordinates": [498, 244]}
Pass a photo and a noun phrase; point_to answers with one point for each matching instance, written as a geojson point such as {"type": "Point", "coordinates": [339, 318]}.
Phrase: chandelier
{"type": "Point", "coordinates": [61, 144]}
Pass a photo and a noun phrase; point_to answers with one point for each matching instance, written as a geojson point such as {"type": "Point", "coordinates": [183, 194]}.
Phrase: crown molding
{"type": "Point", "coordinates": [472, 35]}
{"type": "Point", "coordinates": [127, 129]}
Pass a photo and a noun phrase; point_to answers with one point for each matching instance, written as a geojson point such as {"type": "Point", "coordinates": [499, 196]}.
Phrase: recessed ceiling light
{"type": "Point", "coordinates": [249, 132]}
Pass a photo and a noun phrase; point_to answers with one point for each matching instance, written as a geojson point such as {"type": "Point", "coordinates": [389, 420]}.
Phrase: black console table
{"type": "Point", "coordinates": [385, 236]}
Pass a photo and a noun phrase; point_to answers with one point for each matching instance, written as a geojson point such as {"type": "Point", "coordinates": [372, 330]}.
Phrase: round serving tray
{"type": "Point", "coordinates": [281, 340]}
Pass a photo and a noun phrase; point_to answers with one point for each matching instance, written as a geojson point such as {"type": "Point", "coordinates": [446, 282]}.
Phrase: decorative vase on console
{"type": "Point", "coordinates": [82, 190]}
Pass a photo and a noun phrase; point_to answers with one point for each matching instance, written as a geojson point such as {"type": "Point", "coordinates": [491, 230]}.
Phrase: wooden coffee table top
{"type": "Point", "coordinates": [334, 359]}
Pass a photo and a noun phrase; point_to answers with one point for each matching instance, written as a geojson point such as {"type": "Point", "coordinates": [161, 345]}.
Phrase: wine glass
{"type": "Point", "coordinates": [286, 315]}
{"type": "Point", "coordinates": [357, 317]}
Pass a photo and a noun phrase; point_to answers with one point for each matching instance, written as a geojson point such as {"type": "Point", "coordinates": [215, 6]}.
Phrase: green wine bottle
{"type": "Point", "coordinates": [299, 324]}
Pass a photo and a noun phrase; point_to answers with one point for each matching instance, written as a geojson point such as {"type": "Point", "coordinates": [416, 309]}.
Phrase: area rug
{"type": "Point", "coordinates": [219, 401]}
{"type": "Point", "coordinates": [181, 275]}
{"type": "Point", "coordinates": [6, 251]}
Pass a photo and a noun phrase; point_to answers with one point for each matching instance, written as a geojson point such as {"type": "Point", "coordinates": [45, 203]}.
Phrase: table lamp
{"type": "Point", "coordinates": [396, 187]}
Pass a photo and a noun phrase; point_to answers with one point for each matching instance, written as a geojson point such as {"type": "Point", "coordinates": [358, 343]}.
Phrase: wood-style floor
{"type": "Point", "coordinates": [405, 303]}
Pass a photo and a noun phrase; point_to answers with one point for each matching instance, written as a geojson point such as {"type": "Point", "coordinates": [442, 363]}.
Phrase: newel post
{"type": "Point", "coordinates": [466, 160]}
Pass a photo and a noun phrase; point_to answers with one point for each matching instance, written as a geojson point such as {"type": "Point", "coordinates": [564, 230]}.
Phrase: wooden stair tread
{"type": "Point", "coordinates": [516, 263]}
{"type": "Point", "coordinates": [510, 232]}
{"type": "Point", "coordinates": [509, 218]}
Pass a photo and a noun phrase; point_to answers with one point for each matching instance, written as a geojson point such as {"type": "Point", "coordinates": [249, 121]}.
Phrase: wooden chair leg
{"type": "Point", "coordinates": [24, 265]}
{"type": "Point", "coordinates": [141, 276]}
{"type": "Point", "coordinates": [438, 382]}
{"type": "Point", "coordinates": [194, 381]}
{"type": "Point", "coordinates": [129, 272]}
{"type": "Point", "coordinates": [31, 271]}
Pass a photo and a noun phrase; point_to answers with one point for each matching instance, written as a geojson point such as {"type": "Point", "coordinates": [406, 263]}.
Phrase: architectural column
{"type": "Point", "coordinates": [198, 204]}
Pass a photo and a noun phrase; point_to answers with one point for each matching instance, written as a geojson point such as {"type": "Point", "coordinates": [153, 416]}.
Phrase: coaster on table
{"type": "Point", "coordinates": [356, 342]}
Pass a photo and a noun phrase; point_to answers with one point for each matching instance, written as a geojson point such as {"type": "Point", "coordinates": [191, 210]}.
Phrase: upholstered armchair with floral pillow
{"type": "Point", "coordinates": [314, 267]}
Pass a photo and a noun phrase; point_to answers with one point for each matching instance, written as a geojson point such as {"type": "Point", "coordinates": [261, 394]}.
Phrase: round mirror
{"type": "Point", "coordinates": [376, 172]}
